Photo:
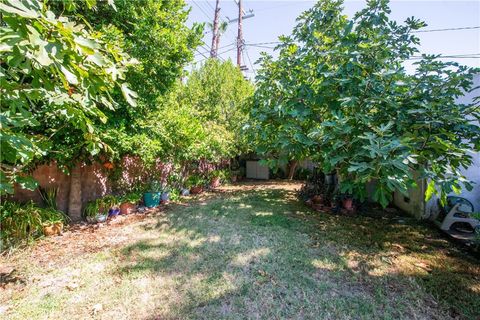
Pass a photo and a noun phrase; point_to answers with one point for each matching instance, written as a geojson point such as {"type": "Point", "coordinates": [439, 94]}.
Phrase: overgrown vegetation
{"type": "Point", "coordinates": [21, 223]}
{"type": "Point", "coordinates": [64, 99]}
{"type": "Point", "coordinates": [57, 77]}
{"type": "Point", "coordinates": [339, 94]}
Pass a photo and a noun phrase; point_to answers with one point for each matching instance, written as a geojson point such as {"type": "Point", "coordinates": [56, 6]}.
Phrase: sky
{"type": "Point", "coordinates": [275, 18]}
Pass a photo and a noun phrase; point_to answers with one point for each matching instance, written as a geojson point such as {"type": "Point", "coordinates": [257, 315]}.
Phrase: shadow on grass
{"type": "Point", "coordinates": [260, 253]}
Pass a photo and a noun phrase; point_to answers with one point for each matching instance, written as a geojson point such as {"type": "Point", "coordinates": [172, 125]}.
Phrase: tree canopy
{"type": "Point", "coordinates": [63, 63]}
{"type": "Point", "coordinates": [339, 94]}
{"type": "Point", "coordinates": [56, 76]}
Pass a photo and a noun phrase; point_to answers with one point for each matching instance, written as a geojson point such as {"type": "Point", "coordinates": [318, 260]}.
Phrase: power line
{"type": "Point", "coordinates": [265, 47]}
{"type": "Point", "coordinates": [250, 61]}
{"type": "Point", "coordinates": [262, 43]}
{"type": "Point", "coordinates": [231, 44]}
{"type": "Point", "coordinates": [206, 58]}
{"type": "Point", "coordinates": [447, 29]}
{"type": "Point", "coordinates": [417, 31]}
{"type": "Point", "coordinates": [210, 5]}
{"type": "Point", "coordinates": [198, 52]}
{"type": "Point", "coordinates": [201, 9]}
{"type": "Point", "coordinates": [447, 57]}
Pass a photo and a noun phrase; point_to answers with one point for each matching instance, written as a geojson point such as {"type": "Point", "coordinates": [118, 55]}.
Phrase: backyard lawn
{"type": "Point", "coordinates": [246, 251]}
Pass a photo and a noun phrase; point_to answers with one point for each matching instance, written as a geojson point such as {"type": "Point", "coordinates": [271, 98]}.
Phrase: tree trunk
{"type": "Point", "coordinates": [292, 166]}
{"type": "Point", "coordinates": [75, 196]}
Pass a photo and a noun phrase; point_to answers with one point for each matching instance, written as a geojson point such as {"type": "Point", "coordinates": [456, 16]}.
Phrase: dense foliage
{"type": "Point", "coordinates": [56, 80]}
{"type": "Point", "coordinates": [339, 94]}
{"type": "Point", "coordinates": [220, 98]}
{"type": "Point", "coordinates": [64, 99]}
{"type": "Point", "coordinates": [200, 118]}
{"type": "Point", "coordinates": [24, 222]}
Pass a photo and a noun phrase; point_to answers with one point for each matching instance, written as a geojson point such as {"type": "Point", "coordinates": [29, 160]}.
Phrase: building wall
{"type": "Point", "coordinates": [473, 172]}
{"type": "Point", "coordinates": [414, 203]}
{"type": "Point", "coordinates": [93, 180]}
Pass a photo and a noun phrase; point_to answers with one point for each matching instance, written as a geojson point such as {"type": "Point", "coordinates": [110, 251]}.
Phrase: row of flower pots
{"type": "Point", "coordinates": [153, 199]}
{"type": "Point", "coordinates": [101, 209]}
{"type": "Point", "coordinates": [343, 203]}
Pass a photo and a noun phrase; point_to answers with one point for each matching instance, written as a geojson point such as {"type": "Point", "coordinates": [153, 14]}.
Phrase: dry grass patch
{"type": "Point", "coordinates": [249, 251]}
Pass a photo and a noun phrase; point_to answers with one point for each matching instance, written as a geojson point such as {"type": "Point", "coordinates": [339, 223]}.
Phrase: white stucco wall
{"type": "Point", "coordinates": [416, 205]}
{"type": "Point", "coordinates": [473, 172]}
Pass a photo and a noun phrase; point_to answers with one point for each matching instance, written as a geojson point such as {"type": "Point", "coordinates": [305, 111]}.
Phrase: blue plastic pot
{"type": "Point", "coordinates": [113, 212]}
{"type": "Point", "coordinates": [152, 199]}
{"type": "Point", "coordinates": [165, 196]}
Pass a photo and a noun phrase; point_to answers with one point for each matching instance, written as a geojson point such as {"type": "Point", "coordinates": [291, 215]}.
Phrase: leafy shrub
{"type": "Point", "coordinates": [24, 222]}
{"type": "Point", "coordinates": [155, 186]}
{"type": "Point", "coordinates": [132, 197]}
{"type": "Point", "coordinates": [223, 174]}
{"type": "Point", "coordinates": [195, 180]}
{"type": "Point", "coordinates": [92, 208]}
{"type": "Point", "coordinates": [49, 196]}
{"type": "Point", "coordinates": [109, 201]}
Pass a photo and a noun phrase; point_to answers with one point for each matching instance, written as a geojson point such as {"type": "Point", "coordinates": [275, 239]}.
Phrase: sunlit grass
{"type": "Point", "coordinates": [257, 254]}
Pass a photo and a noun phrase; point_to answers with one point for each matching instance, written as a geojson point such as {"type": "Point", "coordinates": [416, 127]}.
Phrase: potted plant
{"type": "Point", "coordinates": [110, 203]}
{"type": "Point", "coordinates": [165, 197]}
{"type": "Point", "coordinates": [152, 197]}
{"type": "Point", "coordinates": [234, 175]}
{"type": "Point", "coordinates": [347, 202]}
{"type": "Point", "coordinates": [196, 183]}
{"type": "Point", "coordinates": [52, 221]}
{"type": "Point", "coordinates": [215, 178]}
{"type": "Point", "coordinates": [95, 211]}
{"type": "Point", "coordinates": [184, 192]}
{"type": "Point", "coordinates": [129, 202]}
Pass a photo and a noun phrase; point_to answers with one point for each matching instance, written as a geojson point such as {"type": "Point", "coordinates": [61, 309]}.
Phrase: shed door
{"type": "Point", "coordinates": [256, 171]}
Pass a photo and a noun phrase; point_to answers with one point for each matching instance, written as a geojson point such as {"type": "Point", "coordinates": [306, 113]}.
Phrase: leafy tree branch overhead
{"type": "Point", "coordinates": [339, 93]}
{"type": "Point", "coordinates": [56, 73]}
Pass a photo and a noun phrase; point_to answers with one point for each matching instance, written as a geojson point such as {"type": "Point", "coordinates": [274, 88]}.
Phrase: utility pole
{"type": "Point", "coordinates": [214, 48]}
{"type": "Point", "coordinates": [240, 35]}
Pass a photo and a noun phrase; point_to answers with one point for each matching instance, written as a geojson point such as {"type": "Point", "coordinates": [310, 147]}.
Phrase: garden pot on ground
{"type": "Point", "coordinates": [165, 197]}
{"type": "Point", "coordinates": [317, 199]}
{"type": "Point", "coordinates": [152, 199]}
{"type": "Point", "coordinates": [215, 182]}
{"type": "Point", "coordinates": [184, 192]}
{"type": "Point", "coordinates": [348, 204]}
{"type": "Point", "coordinates": [127, 208]}
{"type": "Point", "coordinates": [113, 212]}
{"type": "Point", "coordinates": [98, 218]}
{"type": "Point", "coordinates": [233, 178]}
{"type": "Point", "coordinates": [196, 189]}
{"type": "Point", "coordinates": [53, 229]}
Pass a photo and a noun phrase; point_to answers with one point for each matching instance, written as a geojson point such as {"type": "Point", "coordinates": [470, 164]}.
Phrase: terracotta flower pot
{"type": "Point", "coordinates": [53, 229]}
{"type": "Point", "coordinates": [317, 199]}
{"type": "Point", "coordinates": [127, 208]}
{"type": "Point", "coordinates": [348, 204]}
{"type": "Point", "coordinates": [196, 189]}
{"type": "Point", "coordinates": [215, 182]}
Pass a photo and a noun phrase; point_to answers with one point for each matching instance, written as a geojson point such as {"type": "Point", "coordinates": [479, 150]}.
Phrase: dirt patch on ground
{"type": "Point", "coordinates": [82, 238]}
{"type": "Point", "coordinates": [249, 249]}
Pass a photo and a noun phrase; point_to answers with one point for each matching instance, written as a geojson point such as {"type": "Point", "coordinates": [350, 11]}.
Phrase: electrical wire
{"type": "Point", "coordinates": [262, 43]}
{"type": "Point", "coordinates": [250, 61]}
{"type": "Point", "coordinates": [231, 44]}
{"type": "Point", "coordinates": [264, 47]}
{"type": "Point", "coordinates": [201, 9]}
{"type": "Point", "coordinates": [210, 5]}
{"type": "Point", "coordinates": [218, 55]}
{"type": "Point", "coordinates": [447, 29]}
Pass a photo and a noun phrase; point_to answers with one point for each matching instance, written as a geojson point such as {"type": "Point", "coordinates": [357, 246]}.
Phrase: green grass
{"type": "Point", "coordinates": [257, 254]}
